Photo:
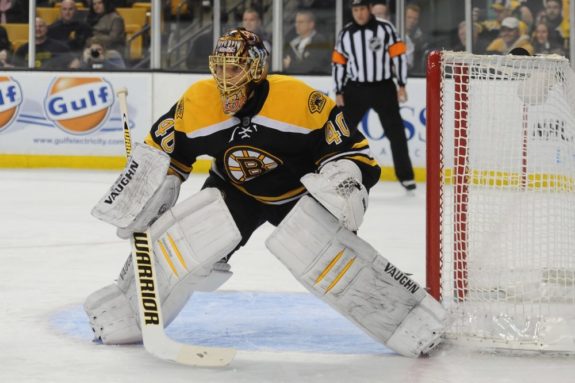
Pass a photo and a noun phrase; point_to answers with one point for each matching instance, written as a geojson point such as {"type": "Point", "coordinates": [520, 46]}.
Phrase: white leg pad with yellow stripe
{"type": "Point", "coordinates": [346, 272]}
{"type": "Point", "coordinates": [188, 241]}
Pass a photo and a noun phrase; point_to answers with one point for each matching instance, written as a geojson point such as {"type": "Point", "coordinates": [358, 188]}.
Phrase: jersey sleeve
{"type": "Point", "coordinates": [164, 136]}
{"type": "Point", "coordinates": [397, 51]}
{"type": "Point", "coordinates": [337, 141]}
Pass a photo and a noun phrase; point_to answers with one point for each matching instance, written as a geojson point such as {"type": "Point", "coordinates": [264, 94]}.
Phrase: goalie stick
{"type": "Point", "coordinates": [155, 340]}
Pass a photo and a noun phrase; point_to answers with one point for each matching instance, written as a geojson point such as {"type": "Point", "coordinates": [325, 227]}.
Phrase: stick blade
{"type": "Point", "coordinates": [160, 345]}
{"type": "Point", "coordinates": [205, 356]}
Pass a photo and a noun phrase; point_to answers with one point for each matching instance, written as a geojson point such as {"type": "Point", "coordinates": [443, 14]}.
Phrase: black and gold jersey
{"type": "Point", "coordinates": [284, 131]}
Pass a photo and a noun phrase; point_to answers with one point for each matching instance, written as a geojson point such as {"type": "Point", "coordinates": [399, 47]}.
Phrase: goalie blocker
{"type": "Point", "coordinates": [346, 272]}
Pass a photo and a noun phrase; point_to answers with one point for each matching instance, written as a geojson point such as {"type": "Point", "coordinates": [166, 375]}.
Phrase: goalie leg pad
{"type": "Point", "coordinates": [111, 316]}
{"type": "Point", "coordinates": [188, 242]}
{"type": "Point", "coordinates": [346, 272]}
{"type": "Point", "coordinates": [421, 330]}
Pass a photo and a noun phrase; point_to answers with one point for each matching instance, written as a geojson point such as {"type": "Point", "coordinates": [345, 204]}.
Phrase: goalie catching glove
{"type": "Point", "coordinates": [338, 187]}
{"type": "Point", "coordinates": [142, 192]}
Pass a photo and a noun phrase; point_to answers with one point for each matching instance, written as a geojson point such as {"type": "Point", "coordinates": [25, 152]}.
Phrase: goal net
{"type": "Point", "coordinates": [501, 198]}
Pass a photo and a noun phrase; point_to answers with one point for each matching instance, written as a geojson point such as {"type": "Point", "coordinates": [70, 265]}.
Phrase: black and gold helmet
{"type": "Point", "coordinates": [238, 60]}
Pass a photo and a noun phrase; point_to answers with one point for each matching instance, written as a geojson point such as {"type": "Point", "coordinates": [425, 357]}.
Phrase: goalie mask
{"type": "Point", "coordinates": [238, 61]}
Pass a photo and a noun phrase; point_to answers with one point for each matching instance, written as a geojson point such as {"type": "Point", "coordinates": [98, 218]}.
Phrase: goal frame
{"type": "Point", "coordinates": [459, 219]}
{"type": "Point", "coordinates": [434, 174]}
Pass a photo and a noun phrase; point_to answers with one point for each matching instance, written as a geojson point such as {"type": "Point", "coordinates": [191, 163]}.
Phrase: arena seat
{"type": "Point", "coordinates": [49, 15]}
{"type": "Point", "coordinates": [146, 6]}
{"type": "Point", "coordinates": [135, 20]}
{"type": "Point", "coordinates": [17, 33]}
{"type": "Point", "coordinates": [79, 5]}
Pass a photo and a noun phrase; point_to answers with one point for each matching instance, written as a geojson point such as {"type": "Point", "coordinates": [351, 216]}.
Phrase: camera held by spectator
{"type": "Point", "coordinates": [96, 56]}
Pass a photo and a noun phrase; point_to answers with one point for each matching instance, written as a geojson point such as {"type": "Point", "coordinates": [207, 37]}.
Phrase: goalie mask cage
{"type": "Point", "coordinates": [501, 198]}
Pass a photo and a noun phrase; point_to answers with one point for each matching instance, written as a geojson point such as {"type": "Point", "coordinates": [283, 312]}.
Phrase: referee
{"type": "Point", "coordinates": [366, 54]}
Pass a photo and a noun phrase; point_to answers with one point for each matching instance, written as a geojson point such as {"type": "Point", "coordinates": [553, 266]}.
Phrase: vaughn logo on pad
{"type": "Point", "coordinates": [79, 105]}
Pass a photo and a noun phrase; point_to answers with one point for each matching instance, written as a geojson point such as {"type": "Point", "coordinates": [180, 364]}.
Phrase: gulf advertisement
{"type": "Point", "coordinates": [73, 118]}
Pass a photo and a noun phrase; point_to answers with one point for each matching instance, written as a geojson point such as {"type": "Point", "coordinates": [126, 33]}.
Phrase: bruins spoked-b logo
{"type": "Point", "coordinates": [244, 163]}
{"type": "Point", "coordinates": [316, 102]}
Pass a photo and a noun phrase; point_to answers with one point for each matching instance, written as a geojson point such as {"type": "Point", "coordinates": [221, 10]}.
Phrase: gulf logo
{"type": "Point", "coordinates": [10, 100]}
{"type": "Point", "coordinates": [79, 105]}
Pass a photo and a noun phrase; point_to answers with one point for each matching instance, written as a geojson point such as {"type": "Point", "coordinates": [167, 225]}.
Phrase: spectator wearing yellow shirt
{"type": "Point", "coordinates": [509, 38]}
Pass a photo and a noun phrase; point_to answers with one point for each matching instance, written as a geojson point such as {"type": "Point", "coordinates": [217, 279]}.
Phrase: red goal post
{"type": "Point", "coordinates": [501, 198]}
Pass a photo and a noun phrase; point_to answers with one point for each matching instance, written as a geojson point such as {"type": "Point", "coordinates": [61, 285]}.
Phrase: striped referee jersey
{"type": "Point", "coordinates": [368, 53]}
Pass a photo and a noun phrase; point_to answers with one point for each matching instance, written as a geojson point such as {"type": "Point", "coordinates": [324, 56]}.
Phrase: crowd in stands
{"type": "Point", "coordinates": [539, 26]}
{"type": "Point", "coordinates": [87, 34]}
{"type": "Point", "coordinates": [95, 34]}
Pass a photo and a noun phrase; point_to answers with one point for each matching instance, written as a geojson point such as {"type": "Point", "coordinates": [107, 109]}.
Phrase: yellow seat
{"type": "Point", "coordinates": [78, 5]}
{"type": "Point", "coordinates": [17, 34]}
{"type": "Point", "coordinates": [49, 15]}
{"type": "Point", "coordinates": [146, 6]}
{"type": "Point", "coordinates": [179, 7]}
{"type": "Point", "coordinates": [134, 19]}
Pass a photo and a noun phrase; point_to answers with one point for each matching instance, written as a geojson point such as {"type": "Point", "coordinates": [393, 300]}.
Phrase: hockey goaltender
{"type": "Point", "coordinates": [282, 153]}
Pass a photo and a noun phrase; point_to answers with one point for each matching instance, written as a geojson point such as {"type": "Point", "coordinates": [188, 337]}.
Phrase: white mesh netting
{"type": "Point", "coordinates": [508, 200]}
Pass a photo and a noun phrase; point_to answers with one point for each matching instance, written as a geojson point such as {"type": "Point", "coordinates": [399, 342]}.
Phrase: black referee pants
{"type": "Point", "coordinates": [381, 97]}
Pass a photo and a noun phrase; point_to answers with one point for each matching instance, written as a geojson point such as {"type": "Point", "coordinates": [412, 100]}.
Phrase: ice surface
{"type": "Point", "coordinates": [53, 254]}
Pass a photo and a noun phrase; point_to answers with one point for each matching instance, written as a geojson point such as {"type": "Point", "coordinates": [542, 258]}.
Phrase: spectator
{"type": "Point", "coordinates": [535, 7]}
{"type": "Point", "coordinates": [510, 38]}
{"type": "Point", "coordinates": [68, 30]}
{"type": "Point", "coordinates": [97, 56]}
{"type": "Point", "coordinates": [67, 61]}
{"type": "Point", "coordinates": [48, 50]}
{"type": "Point", "coordinates": [182, 10]}
{"type": "Point", "coordinates": [490, 27]}
{"type": "Point", "coordinates": [380, 10]}
{"type": "Point", "coordinates": [4, 39]}
{"type": "Point", "coordinates": [252, 21]}
{"type": "Point", "coordinates": [310, 51]}
{"type": "Point", "coordinates": [520, 10]}
{"type": "Point", "coordinates": [74, 63]}
{"type": "Point", "coordinates": [14, 11]}
{"type": "Point", "coordinates": [478, 46]}
{"type": "Point", "coordinates": [107, 24]}
{"type": "Point", "coordinates": [364, 84]}
{"type": "Point", "coordinates": [553, 17]}
{"type": "Point", "coordinates": [541, 42]}
{"type": "Point", "coordinates": [414, 39]}
{"type": "Point", "coordinates": [5, 49]}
